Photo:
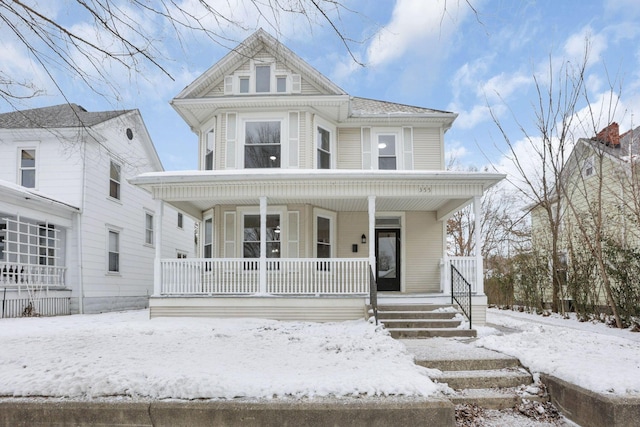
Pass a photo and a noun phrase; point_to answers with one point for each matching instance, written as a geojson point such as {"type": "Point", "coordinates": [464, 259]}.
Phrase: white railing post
{"type": "Point", "coordinates": [477, 204]}
{"type": "Point", "coordinates": [372, 232]}
{"type": "Point", "coordinates": [157, 269]}
{"type": "Point", "coordinates": [263, 245]}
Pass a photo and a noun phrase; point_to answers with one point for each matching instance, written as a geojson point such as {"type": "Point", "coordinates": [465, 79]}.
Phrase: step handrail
{"type": "Point", "coordinates": [461, 293]}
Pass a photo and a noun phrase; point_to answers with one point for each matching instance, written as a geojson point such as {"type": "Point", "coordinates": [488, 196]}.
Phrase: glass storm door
{"type": "Point", "coordinates": [388, 260]}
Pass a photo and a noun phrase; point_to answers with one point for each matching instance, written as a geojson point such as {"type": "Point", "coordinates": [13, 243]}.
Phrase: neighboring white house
{"type": "Point", "coordinates": [75, 236]}
{"type": "Point", "coordinates": [302, 190]}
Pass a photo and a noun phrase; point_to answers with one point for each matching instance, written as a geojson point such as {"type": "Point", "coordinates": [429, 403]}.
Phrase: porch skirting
{"type": "Point", "coordinates": [16, 302]}
{"type": "Point", "coordinates": [312, 308]}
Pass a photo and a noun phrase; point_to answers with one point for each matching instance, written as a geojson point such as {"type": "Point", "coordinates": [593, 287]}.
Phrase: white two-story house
{"type": "Point", "coordinates": [308, 196]}
{"type": "Point", "coordinates": [75, 236]}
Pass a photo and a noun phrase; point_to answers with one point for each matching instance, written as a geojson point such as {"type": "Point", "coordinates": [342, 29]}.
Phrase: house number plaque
{"type": "Point", "coordinates": [424, 189]}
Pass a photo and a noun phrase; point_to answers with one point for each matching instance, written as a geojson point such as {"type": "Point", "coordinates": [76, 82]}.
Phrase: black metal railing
{"type": "Point", "coordinates": [373, 294]}
{"type": "Point", "coordinates": [461, 293]}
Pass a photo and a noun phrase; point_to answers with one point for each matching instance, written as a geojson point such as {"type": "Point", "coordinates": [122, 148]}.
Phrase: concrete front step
{"type": "Point", "coordinates": [494, 398]}
{"type": "Point", "coordinates": [431, 332]}
{"type": "Point", "coordinates": [417, 307]}
{"type": "Point", "coordinates": [470, 364]}
{"type": "Point", "coordinates": [479, 379]}
{"type": "Point", "coordinates": [383, 315]}
{"type": "Point", "coordinates": [420, 323]}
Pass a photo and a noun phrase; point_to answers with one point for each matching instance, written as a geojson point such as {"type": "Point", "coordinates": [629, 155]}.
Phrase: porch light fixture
{"type": "Point", "coordinates": [363, 239]}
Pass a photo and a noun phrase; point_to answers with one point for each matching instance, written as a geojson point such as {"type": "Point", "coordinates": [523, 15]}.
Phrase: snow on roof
{"type": "Point", "coordinates": [56, 116]}
{"type": "Point", "coordinates": [27, 193]}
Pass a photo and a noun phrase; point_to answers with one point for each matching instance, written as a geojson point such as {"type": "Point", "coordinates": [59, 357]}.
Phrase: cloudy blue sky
{"type": "Point", "coordinates": [436, 54]}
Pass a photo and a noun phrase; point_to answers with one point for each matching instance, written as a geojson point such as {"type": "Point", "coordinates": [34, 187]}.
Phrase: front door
{"type": "Point", "coordinates": [388, 259]}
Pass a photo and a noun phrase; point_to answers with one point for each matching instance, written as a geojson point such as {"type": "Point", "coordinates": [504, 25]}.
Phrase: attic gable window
{"type": "Point", "coordinates": [263, 78]}
{"type": "Point", "coordinates": [588, 168]}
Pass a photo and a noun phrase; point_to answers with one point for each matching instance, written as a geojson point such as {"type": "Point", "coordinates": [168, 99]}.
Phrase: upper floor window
{"type": "Point", "coordinates": [262, 77]}
{"type": "Point", "coordinates": [244, 84]}
{"type": "Point", "coordinates": [208, 157]}
{"type": "Point", "coordinates": [28, 168]}
{"type": "Point", "coordinates": [262, 144]}
{"type": "Point", "coordinates": [281, 84]}
{"type": "Point", "coordinates": [324, 148]}
{"type": "Point", "coordinates": [114, 180]}
{"type": "Point", "coordinates": [148, 229]}
{"type": "Point", "coordinates": [387, 156]}
{"type": "Point", "coordinates": [3, 228]}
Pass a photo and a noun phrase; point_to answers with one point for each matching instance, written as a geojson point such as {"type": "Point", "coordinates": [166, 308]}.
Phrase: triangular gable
{"type": "Point", "coordinates": [259, 42]}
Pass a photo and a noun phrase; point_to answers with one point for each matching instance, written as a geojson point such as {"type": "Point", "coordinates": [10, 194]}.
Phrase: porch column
{"type": "Point", "coordinates": [263, 245]}
{"type": "Point", "coordinates": [477, 204]}
{"type": "Point", "coordinates": [372, 232]}
{"type": "Point", "coordinates": [157, 271]}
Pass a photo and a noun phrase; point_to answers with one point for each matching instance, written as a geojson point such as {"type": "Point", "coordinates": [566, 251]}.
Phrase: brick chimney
{"type": "Point", "coordinates": [610, 135]}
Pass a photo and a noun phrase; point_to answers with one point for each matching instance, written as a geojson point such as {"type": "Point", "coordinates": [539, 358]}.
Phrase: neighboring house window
{"type": "Point", "coordinates": [148, 229]}
{"type": "Point", "coordinates": [262, 144]}
{"type": "Point", "coordinates": [47, 244]}
{"type": "Point", "coordinates": [324, 148]}
{"type": "Point", "coordinates": [263, 78]}
{"type": "Point", "coordinates": [28, 168]}
{"type": "Point", "coordinates": [114, 251]}
{"type": "Point", "coordinates": [208, 238]}
{"type": "Point", "coordinates": [181, 255]}
{"type": "Point", "coordinates": [180, 220]}
{"type": "Point", "coordinates": [251, 236]}
{"type": "Point", "coordinates": [208, 157]}
{"type": "Point", "coordinates": [588, 168]}
{"type": "Point", "coordinates": [3, 228]}
{"type": "Point", "coordinates": [114, 180]}
{"type": "Point", "coordinates": [387, 152]}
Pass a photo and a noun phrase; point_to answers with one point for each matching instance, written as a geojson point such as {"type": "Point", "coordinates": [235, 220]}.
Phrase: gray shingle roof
{"type": "Point", "coordinates": [365, 106]}
{"type": "Point", "coordinates": [629, 145]}
{"type": "Point", "coordinates": [55, 117]}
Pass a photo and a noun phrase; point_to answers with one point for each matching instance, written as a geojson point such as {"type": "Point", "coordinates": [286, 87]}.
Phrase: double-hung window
{"type": "Point", "coordinates": [208, 156]}
{"type": "Point", "coordinates": [113, 251]}
{"type": "Point", "coordinates": [387, 155]}
{"type": "Point", "coordinates": [262, 147]}
{"type": "Point", "coordinates": [114, 180]}
{"type": "Point", "coordinates": [3, 231]}
{"type": "Point", "coordinates": [148, 229]}
{"type": "Point", "coordinates": [251, 236]}
{"type": "Point", "coordinates": [263, 78]}
{"type": "Point", "coordinates": [28, 168]}
{"type": "Point", "coordinates": [208, 238]}
{"type": "Point", "coordinates": [324, 148]}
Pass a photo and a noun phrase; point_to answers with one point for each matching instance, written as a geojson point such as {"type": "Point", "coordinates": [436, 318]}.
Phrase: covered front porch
{"type": "Point", "coordinates": [313, 246]}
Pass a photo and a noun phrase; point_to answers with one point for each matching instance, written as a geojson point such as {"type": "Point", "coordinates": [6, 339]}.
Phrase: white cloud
{"type": "Point", "coordinates": [586, 41]}
{"type": "Point", "coordinates": [503, 85]}
{"type": "Point", "coordinates": [416, 24]}
{"type": "Point", "coordinates": [469, 119]}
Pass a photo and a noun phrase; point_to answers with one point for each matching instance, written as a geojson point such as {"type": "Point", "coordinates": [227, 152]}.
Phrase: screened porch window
{"type": "Point", "coordinates": [47, 244]}
{"type": "Point", "coordinates": [262, 144]}
{"type": "Point", "coordinates": [251, 236]}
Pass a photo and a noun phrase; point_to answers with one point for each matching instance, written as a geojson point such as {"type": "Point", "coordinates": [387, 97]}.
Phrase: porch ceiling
{"type": "Point", "coordinates": [443, 192]}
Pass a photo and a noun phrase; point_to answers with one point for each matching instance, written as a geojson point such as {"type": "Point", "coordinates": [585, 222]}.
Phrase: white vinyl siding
{"type": "Point", "coordinates": [427, 149]}
{"type": "Point", "coordinates": [294, 139]}
{"type": "Point", "coordinates": [293, 228]}
{"type": "Point", "coordinates": [349, 148]}
{"type": "Point", "coordinates": [423, 250]}
{"type": "Point", "coordinates": [230, 234]}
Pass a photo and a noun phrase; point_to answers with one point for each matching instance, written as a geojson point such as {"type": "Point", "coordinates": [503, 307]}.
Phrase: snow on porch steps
{"type": "Point", "coordinates": [422, 320]}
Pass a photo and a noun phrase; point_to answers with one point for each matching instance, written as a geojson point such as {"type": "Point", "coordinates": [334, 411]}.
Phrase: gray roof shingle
{"type": "Point", "coordinates": [55, 117]}
{"type": "Point", "coordinates": [365, 106]}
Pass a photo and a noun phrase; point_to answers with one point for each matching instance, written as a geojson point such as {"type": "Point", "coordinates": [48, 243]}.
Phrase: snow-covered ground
{"type": "Point", "coordinates": [591, 355]}
{"type": "Point", "coordinates": [126, 354]}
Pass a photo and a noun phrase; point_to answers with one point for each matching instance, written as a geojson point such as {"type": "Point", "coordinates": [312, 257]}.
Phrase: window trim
{"type": "Point", "coordinates": [118, 182]}
{"type": "Point", "coordinates": [118, 232]}
{"type": "Point", "coordinates": [34, 168]}
{"type": "Point", "coordinates": [280, 210]}
{"type": "Point", "coordinates": [264, 117]}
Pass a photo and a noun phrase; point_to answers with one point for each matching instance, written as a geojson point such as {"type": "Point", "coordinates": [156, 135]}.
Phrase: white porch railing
{"type": "Point", "coordinates": [466, 265]}
{"type": "Point", "coordinates": [298, 276]}
{"type": "Point", "coordinates": [25, 275]}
